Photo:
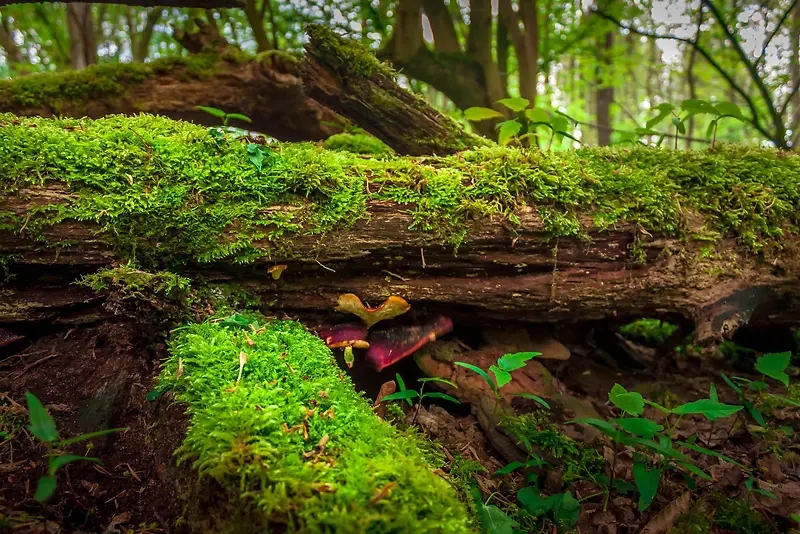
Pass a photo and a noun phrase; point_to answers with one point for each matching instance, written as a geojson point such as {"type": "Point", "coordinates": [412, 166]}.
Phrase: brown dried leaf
{"type": "Point", "coordinates": [665, 519]}
{"type": "Point", "coordinates": [276, 271]}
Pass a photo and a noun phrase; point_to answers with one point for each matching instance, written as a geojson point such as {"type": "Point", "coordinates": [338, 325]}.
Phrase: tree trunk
{"type": "Point", "coordinates": [82, 44]}
{"type": "Point", "coordinates": [255, 17]}
{"type": "Point", "coordinates": [13, 55]}
{"type": "Point", "coordinates": [605, 91]}
{"type": "Point", "coordinates": [795, 74]}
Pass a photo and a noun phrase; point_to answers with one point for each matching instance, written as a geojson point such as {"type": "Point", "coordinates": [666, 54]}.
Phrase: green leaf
{"type": "Point", "coordinates": [631, 403]}
{"type": "Point", "coordinates": [57, 462]}
{"type": "Point", "coordinates": [657, 406]}
{"type": "Point", "coordinates": [517, 360]}
{"type": "Point", "coordinates": [156, 393]}
{"type": "Point", "coordinates": [255, 155]}
{"type": "Point", "coordinates": [45, 488]}
{"type": "Point", "coordinates": [647, 481]}
{"type": "Point", "coordinates": [516, 103]}
{"type": "Point", "coordinates": [494, 521]}
{"type": "Point", "coordinates": [730, 109]}
{"type": "Point", "coordinates": [481, 114]}
{"type": "Point", "coordinates": [755, 413]}
{"type": "Point", "coordinates": [400, 383]}
{"type": "Point", "coordinates": [795, 518]}
{"type": "Point", "coordinates": [566, 510]}
{"type": "Point", "coordinates": [513, 466]}
{"type": "Point", "coordinates": [401, 395]}
{"type": "Point", "coordinates": [765, 493]}
{"type": "Point", "coordinates": [733, 386]}
{"type": "Point", "coordinates": [639, 426]}
{"type": "Point", "coordinates": [599, 424]}
{"type": "Point", "coordinates": [437, 379]}
{"type": "Point", "coordinates": [239, 116]}
{"type": "Point", "coordinates": [501, 377]}
{"type": "Point", "coordinates": [212, 111]}
{"type": "Point", "coordinates": [481, 372]}
{"type": "Point", "coordinates": [90, 435]}
{"type": "Point", "coordinates": [712, 410]}
{"type": "Point", "coordinates": [570, 136]}
{"type": "Point", "coordinates": [560, 123]}
{"type": "Point", "coordinates": [712, 393]}
{"type": "Point", "coordinates": [437, 395]}
{"type": "Point", "coordinates": [538, 116]}
{"type": "Point", "coordinates": [658, 119]}
{"type": "Point", "coordinates": [532, 397]}
{"type": "Point", "coordinates": [508, 129]}
{"type": "Point", "coordinates": [41, 423]}
{"type": "Point", "coordinates": [695, 106]}
{"type": "Point", "coordinates": [774, 366]}
{"type": "Point", "coordinates": [534, 503]}
{"type": "Point", "coordinates": [710, 129]}
{"type": "Point", "coordinates": [757, 386]}
{"type": "Point", "coordinates": [696, 470]}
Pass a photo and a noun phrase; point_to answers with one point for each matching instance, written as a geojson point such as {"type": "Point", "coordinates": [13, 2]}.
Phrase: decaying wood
{"type": "Point", "coordinates": [268, 91]}
{"type": "Point", "coordinates": [375, 102]}
{"type": "Point", "coordinates": [495, 273]}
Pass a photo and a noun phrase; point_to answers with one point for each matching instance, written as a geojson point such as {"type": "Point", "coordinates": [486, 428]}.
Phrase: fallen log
{"type": "Point", "coordinates": [503, 233]}
{"type": "Point", "coordinates": [266, 90]}
{"type": "Point", "coordinates": [346, 77]}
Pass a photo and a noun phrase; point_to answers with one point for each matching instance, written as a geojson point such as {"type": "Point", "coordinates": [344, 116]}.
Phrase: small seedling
{"type": "Point", "coordinates": [502, 374]}
{"type": "Point", "coordinates": [43, 428]}
{"type": "Point", "coordinates": [224, 116]}
{"type": "Point", "coordinates": [409, 394]}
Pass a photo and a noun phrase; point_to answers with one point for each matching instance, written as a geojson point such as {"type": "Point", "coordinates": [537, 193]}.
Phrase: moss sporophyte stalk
{"type": "Point", "coordinates": [163, 191]}
{"type": "Point", "coordinates": [286, 431]}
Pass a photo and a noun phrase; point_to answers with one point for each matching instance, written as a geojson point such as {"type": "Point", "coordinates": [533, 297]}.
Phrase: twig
{"type": "Point", "coordinates": [37, 362]}
{"type": "Point", "coordinates": [324, 267]}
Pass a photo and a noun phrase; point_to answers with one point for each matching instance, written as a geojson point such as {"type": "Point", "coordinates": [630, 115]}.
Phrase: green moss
{"type": "Point", "coordinates": [649, 332]}
{"type": "Point", "coordinates": [357, 144]}
{"type": "Point", "coordinates": [249, 437]}
{"type": "Point", "coordinates": [695, 522]}
{"type": "Point", "coordinates": [354, 58]}
{"type": "Point", "coordinates": [740, 518]}
{"type": "Point", "coordinates": [53, 90]}
{"type": "Point", "coordinates": [165, 192]}
{"type": "Point", "coordinates": [134, 283]}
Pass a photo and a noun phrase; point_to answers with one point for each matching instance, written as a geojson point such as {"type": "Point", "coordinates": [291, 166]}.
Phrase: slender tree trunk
{"type": "Point", "coordinates": [255, 17]}
{"type": "Point", "coordinates": [605, 91]}
{"type": "Point", "coordinates": [795, 74]}
{"type": "Point", "coordinates": [82, 44]}
{"type": "Point", "coordinates": [502, 54]}
{"type": "Point", "coordinates": [13, 55]}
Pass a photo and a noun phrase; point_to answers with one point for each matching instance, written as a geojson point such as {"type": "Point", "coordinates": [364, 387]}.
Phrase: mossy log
{"type": "Point", "coordinates": [346, 77]}
{"type": "Point", "coordinates": [501, 233]}
{"type": "Point", "coordinates": [268, 90]}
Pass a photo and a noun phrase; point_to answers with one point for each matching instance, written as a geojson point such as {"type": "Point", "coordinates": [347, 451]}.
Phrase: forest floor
{"type": "Point", "coordinates": [99, 376]}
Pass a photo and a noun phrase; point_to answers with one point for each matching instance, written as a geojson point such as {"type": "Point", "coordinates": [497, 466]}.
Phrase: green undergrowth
{"type": "Point", "coordinates": [163, 190]}
{"type": "Point", "coordinates": [131, 282]}
{"type": "Point", "coordinates": [357, 143]}
{"type": "Point", "coordinates": [351, 472]}
{"type": "Point", "coordinates": [74, 87]}
{"type": "Point", "coordinates": [650, 332]}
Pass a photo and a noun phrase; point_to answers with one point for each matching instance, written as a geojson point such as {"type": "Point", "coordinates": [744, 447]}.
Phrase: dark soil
{"type": "Point", "coordinates": [91, 378]}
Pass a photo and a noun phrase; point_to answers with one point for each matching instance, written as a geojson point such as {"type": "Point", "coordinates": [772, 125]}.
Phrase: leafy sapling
{"type": "Point", "coordinates": [502, 374]}
{"type": "Point", "coordinates": [527, 119]}
{"type": "Point", "coordinates": [224, 116]}
{"type": "Point", "coordinates": [43, 428]}
{"type": "Point", "coordinates": [409, 394]}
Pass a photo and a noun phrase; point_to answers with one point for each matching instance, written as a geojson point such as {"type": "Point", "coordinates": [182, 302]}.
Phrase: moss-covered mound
{"type": "Point", "coordinates": [161, 189]}
{"type": "Point", "coordinates": [293, 443]}
{"type": "Point", "coordinates": [357, 143]}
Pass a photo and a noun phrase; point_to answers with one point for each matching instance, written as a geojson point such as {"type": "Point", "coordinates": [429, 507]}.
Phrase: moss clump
{"type": "Point", "coordinates": [167, 191]}
{"type": "Point", "coordinates": [740, 518]}
{"type": "Point", "coordinates": [696, 521]}
{"type": "Point", "coordinates": [293, 443]}
{"type": "Point", "coordinates": [130, 282]}
{"type": "Point", "coordinates": [53, 90]}
{"type": "Point", "coordinates": [357, 144]}
{"type": "Point", "coordinates": [650, 332]}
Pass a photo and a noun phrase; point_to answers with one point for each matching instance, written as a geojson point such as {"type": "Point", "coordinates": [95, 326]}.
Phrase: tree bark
{"type": "Point", "coordinates": [605, 91]}
{"type": "Point", "coordinates": [497, 274]}
{"type": "Point", "coordinates": [271, 94]}
{"type": "Point", "coordinates": [373, 100]}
